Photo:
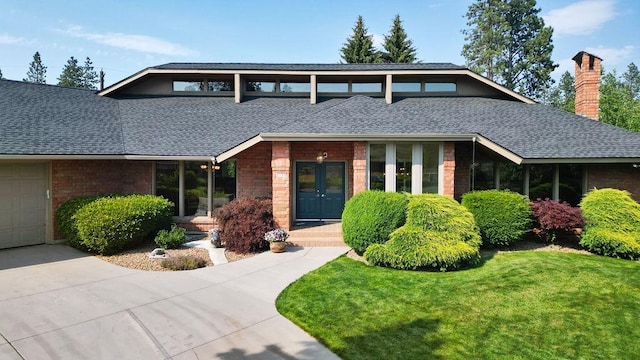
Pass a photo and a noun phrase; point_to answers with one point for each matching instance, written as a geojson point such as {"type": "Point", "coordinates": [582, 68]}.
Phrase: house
{"type": "Point", "coordinates": [309, 136]}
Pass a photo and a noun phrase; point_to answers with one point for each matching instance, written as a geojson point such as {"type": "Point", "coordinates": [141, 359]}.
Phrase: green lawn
{"type": "Point", "coordinates": [520, 305]}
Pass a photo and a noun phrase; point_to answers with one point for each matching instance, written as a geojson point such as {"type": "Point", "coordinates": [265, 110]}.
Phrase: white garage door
{"type": "Point", "coordinates": [22, 204]}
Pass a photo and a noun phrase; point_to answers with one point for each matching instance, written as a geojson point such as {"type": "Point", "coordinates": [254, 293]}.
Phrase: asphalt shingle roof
{"type": "Point", "coordinates": [307, 67]}
{"type": "Point", "coordinates": [43, 119]}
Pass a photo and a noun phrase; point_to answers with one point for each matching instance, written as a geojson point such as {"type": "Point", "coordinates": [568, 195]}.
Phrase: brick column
{"type": "Point", "coordinates": [449, 168]}
{"type": "Point", "coordinates": [359, 167]}
{"type": "Point", "coordinates": [281, 183]}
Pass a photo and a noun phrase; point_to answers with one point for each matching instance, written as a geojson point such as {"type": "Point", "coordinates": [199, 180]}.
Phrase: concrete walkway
{"type": "Point", "coordinates": [58, 303]}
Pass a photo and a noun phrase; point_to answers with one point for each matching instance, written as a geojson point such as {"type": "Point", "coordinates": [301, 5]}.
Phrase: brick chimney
{"type": "Point", "coordinates": [588, 68]}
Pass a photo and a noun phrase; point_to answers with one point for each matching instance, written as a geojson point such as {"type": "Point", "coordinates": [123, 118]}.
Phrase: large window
{"type": "Point", "coordinates": [405, 167]}
{"type": "Point", "coordinates": [189, 85]}
{"type": "Point", "coordinates": [191, 182]}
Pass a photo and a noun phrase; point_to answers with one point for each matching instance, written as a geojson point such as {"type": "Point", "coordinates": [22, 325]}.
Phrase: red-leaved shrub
{"type": "Point", "coordinates": [243, 223]}
{"type": "Point", "coordinates": [554, 218]}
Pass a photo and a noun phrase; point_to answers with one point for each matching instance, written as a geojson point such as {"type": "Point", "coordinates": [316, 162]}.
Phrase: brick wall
{"type": "Point", "coordinates": [253, 171]}
{"type": "Point", "coordinates": [617, 176]}
{"type": "Point", "coordinates": [76, 178]}
{"type": "Point", "coordinates": [449, 160]}
{"type": "Point", "coordinates": [281, 180]}
{"type": "Point", "coordinates": [359, 167]}
{"type": "Point", "coordinates": [587, 83]}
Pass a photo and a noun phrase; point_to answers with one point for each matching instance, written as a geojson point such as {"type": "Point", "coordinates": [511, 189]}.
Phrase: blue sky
{"type": "Point", "coordinates": [125, 38]}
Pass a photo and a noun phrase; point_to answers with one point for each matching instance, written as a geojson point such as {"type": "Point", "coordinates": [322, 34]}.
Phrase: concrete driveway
{"type": "Point", "coordinates": [58, 303]}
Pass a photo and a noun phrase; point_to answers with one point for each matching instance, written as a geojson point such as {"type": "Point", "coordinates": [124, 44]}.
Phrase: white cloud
{"type": "Point", "coordinates": [140, 43]}
{"type": "Point", "coordinates": [563, 65]}
{"type": "Point", "coordinates": [613, 56]}
{"type": "Point", "coordinates": [580, 18]}
{"type": "Point", "coordinates": [7, 39]}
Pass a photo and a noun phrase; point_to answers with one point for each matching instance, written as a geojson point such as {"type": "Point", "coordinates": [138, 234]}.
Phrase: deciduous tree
{"type": "Point", "coordinates": [506, 41]}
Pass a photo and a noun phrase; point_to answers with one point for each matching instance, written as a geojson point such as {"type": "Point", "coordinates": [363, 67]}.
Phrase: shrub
{"type": "Point", "coordinates": [183, 263]}
{"type": "Point", "coordinates": [553, 218]}
{"type": "Point", "coordinates": [612, 223]}
{"type": "Point", "coordinates": [370, 216]}
{"type": "Point", "coordinates": [243, 223]}
{"type": "Point", "coordinates": [439, 233]}
{"type": "Point", "coordinates": [67, 223]}
{"type": "Point", "coordinates": [503, 217]}
{"type": "Point", "coordinates": [109, 225]}
{"type": "Point", "coordinates": [171, 239]}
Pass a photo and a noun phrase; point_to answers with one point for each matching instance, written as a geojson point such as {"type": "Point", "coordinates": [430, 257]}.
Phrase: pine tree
{"type": "Point", "coordinates": [359, 46]}
{"type": "Point", "coordinates": [563, 96]}
{"type": "Point", "coordinates": [1, 77]}
{"type": "Point", "coordinates": [89, 75]}
{"type": "Point", "coordinates": [632, 80]}
{"type": "Point", "coordinates": [508, 42]}
{"type": "Point", "coordinates": [37, 72]}
{"type": "Point", "coordinates": [397, 47]}
{"type": "Point", "coordinates": [71, 75]}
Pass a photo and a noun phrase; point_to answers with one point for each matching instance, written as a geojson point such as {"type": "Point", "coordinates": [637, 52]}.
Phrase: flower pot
{"type": "Point", "coordinates": [277, 246]}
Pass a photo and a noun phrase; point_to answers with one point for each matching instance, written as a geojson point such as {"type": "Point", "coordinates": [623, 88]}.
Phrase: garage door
{"type": "Point", "coordinates": [22, 204]}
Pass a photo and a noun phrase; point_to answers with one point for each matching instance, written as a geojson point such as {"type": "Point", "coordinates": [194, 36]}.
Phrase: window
{"type": "Point", "coordinates": [195, 192]}
{"type": "Point", "coordinates": [406, 86]}
{"type": "Point", "coordinates": [261, 86]}
{"type": "Point", "coordinates": [295, 87]}
{"type": "Point", "coordinates": [215, 85]}
{"type": "Point", "coordinates": [430, 162]}
{"type": "Point", "coordinates": [377, 160]}
{"type": "Point", "coordinates": [366, 87]}
{"type": "Point", "coordinates": [439, 87]}
{"type": "Point", "coordinates": [483, 176]}
{"type": "Point", "coordinates": [188, 85]}
{"type": "Point", "coordinates": [404, 154]}
{"type": "Point", "coordinates": [333, 87]}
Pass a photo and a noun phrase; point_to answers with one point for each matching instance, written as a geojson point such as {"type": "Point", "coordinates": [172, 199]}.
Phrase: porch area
{"type": "Point", "coordinates": [316, 234]}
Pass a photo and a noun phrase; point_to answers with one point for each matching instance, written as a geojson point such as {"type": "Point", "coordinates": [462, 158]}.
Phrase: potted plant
{"type": "Point", "coordinates": [276, 239]}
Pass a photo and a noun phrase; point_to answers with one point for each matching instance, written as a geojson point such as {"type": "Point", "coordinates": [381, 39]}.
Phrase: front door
{"type": "Point", "coordinates": [320, 190]}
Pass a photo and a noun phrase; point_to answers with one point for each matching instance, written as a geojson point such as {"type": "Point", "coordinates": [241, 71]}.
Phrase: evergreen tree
{"type": "Point", "coordinates": [89, 75]}
{"type": "Point", "coordinates": [397, 47]}
{"type": "Point", "coordinates": [1, 77]}
{"type": "Point", "coordinates": [37, 72]}
{"type": "Point", "coordinates": [632, 80]}
{"type": "Point", "coordinates": [618, 105]}
{"type": "Point", "coordinates": [506, 41]}
{"type": "Point", "coordinates": [359, 46]}
{"type": "Point", "coordinates": [563, 96]}
{"type": "Point", "coordinates": [72, 74]}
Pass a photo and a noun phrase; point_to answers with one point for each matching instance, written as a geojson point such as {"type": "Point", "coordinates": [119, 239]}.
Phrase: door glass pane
{"type": "Point", "coordinates": [430, 162]}
{"type": "Point", "coordinates": [195, 188]}
{"type": "Point", "coordinates": [307, 179]}
{"type": "Point", "coordinates": [404, 154]}
{"type": "Point", "coordinates": [334, 181]}
{"type": "Point", "coordinates": [167, 174]}
{"type": "Point", "coordinates": [225, 183]}
{"type": "Point", "coordinates": [377, 157]}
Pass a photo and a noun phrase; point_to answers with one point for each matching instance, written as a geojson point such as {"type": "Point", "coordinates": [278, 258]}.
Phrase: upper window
{"type": "Point", "coordinates": [406, 86]}
{"type": "Point", "coordinates": [261, 86]}
{"type": "Point", "coordinates": [188, 86]}
{"type": "Point", "coordinates": [295, 87]}
{"type": "Point", "coordinates": [214, 85]}
{"type": "Point", "coordinates": [366, 87]}
{"type": "Point", "coordinates": [333, 87]}
{"type": "Point", "coordinates": [439, 87]}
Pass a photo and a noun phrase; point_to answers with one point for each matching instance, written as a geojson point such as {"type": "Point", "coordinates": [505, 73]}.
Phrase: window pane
{"type": "Point", "coordinates": [510, 177]}
{"type": "Point", "coordinates": [295, 87]}
{"type": "Point", "coordinates": [307, 179]}
{"type": "Point", "coordinates": [167, 173]}
{"type": "Point", "coordinates": [540, 181]}
{"type": "Point", "coordinates": [366, 87]}
{"type": "Point", "coordinates": [334, 179]}
{"type": "Point", "coordinates": [261, 86]}
{"type": "Point", "coordinates": [404, 155]}
{"type": "Point", "coordinates": [188, 86]}
{"type": "Point", "coordinates": [483, 176]}
{"type": "Point", "coordinates": [225, 183]}
{"type": "Point", "coordinates": [195, 188]}
{"type": "Point", "coordinates": [377, 161]}
{"type": "Point", "coordinates": [220, 86]}
{"type": "Point", "coordinates": [333, 87]}
{"type": "Point", "coordinates": [571, 183]}
{"type": "Point", "coordinates": [430, 162]}
{"type": "Point", "coordinates": [439, 87]}
{"type": "Point", "coordinates": [406, 87]}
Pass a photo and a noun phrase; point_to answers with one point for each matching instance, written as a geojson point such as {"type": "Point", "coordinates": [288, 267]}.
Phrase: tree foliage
{"type": "Point", "coordinates": [37, 72]}
{"type": "Point", "coordinates": [359, 46]}
{"type": "Point", "coordinates": [563, 95]}
{"type": "Point", "coordinates": [398, 48]}
{"type": "Point", "coordinates": [77, 76]}
{"type": "Point", "coordinates": [620, 99]}
{"type": "Point", "coordinates": [507, 41]}
{"type": "Point", "coordinates": [89, 75]}
{"type": "Point", "coordinates": [1, 77]}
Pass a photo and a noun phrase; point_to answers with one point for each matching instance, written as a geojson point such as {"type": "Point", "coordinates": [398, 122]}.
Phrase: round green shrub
{"type": "Point", "coordinates": [503, 217]}
{"type": "Point", "coordinates": [612, 223]}
{"type": "Point", "coordinates": [243, 223]}
{"type": "Point", "coordinates": [439, 234]}
{"type": "Point", "coordinates": [370, 216]}
{"type": "Point", "coordinates": [67, 223]}
{"type": "Point", "coordinates": [171, 239]}
{"type": "Point", "coordinates": [109, 225]}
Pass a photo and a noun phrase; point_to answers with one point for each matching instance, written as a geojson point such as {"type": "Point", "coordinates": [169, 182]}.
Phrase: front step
{"type": "Point", "coordinates": [321, 235]}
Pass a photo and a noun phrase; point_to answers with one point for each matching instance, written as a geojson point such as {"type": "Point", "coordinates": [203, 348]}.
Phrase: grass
{"type": "Point", "coordinates": [520, 305]}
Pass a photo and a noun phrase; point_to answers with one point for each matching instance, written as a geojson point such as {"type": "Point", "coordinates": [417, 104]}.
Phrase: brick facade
{"type": "Point", "coordinates": [76, 178]}
{"type": "Point", "coordinates": [253, 171]}
{"type": "Point", "coordinates": [587, 83]}
{"type": "Point", "coordinates": [359, 167]}
{"type": "Point", "coordinates": [449, 160]}
{"type": "Point", "coordinates": [281, 180]}
{"type": "Point", "coordinates": [617, 176]}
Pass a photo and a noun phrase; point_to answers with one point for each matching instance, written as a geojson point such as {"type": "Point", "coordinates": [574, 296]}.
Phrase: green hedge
{"type": "Point", "coordinates": [109, 225]}
{"type": "Point", "coordinates": [503, 217]}
{"type": "Point", "coordinates": [612, 223]}
{"type": "Point", "coordinates": [439, 233]}
{"type": "Point", "coordinates": [370, 216]}
{"type": "Point", "coordinates": [67, 223]}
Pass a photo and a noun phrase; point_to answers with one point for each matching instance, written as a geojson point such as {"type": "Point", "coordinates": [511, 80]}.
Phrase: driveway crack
{"type": "Point", "coordinates": [13, 347]}
{"type": "Point", "coordinates": [149, 334]}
